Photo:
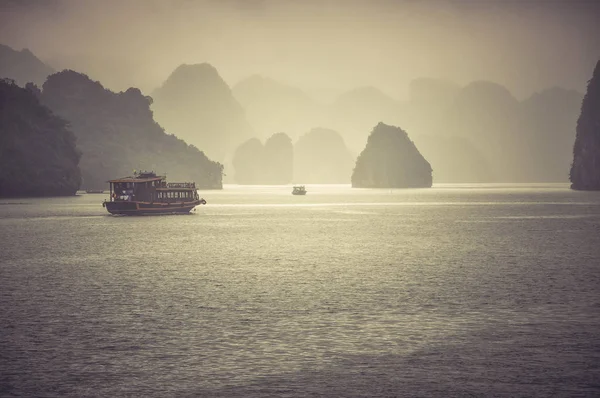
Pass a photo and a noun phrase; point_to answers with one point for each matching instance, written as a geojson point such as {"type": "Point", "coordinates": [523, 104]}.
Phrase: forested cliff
{"type": "Point", "coordinates": [585, 171]}
{"type": "Point", "coordinates": [38, 154]}
{"type": "Point", "coordinates": [117, 134]}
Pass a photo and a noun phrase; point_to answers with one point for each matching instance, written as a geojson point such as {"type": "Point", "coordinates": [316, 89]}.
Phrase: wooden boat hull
{"type": "Point", "coordinates": [131, 208]}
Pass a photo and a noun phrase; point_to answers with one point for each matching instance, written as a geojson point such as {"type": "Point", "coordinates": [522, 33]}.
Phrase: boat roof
{"type": "Point", "coordinates": [175, 189]}
{"type": "Point", "coordinates": [137, 179]}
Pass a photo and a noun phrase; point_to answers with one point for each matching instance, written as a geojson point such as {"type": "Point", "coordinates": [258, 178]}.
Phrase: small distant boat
{"type": "Point", "coordinates": [299, 190]}
{"type": "Point", "coordinates": [94, 191]}
{"type": "Point", "coordinates": [147, 193]}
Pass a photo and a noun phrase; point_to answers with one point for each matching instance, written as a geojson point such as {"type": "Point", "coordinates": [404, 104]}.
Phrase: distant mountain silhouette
{"type": "Point", "coordinates": [117, 134]}
{"type": "Point", "coordinates": [476, 133]}
{"type": "Point", "coordinates": [391, 160]}
{"type": "Point", "coordinates": [249, 162]}
{"type": "Point", "coordinates": [488, 115]}
{"type": "Point", "coordinates": [116, 72]}
{"type": "Point", "coordinates": [273, 106]}
{"type": "Point", "coordinates": [22, 66]}
{"type": "Point", "coordinates": [198, 106]}
{"type": "Point", "coordinates": [279, 159]}
{"type": "Point", "coordinates": [356, 111]}
{"type": "Point", "coordinates": [585, 171]}
{"type": "Point", "coordinates": [429, 99]}
{"type": "Point", "coordinates": [272, 163]}
{"type": "Point", "coordinates": [321, 157]}
{"type": "Point", "coordinates": [454, 159]}
{"type": "Point", "coordinates": [38, 154]}
{"type": "Point", "coordinates": [483, 124]}
{"type": "Point", "coordinates": [548, 126]}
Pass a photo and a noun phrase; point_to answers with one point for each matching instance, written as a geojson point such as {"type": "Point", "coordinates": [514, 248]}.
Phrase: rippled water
{"type": "Point", "coordinates": [450, 291]}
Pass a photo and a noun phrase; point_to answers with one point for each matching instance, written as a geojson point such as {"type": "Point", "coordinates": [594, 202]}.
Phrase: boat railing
{"type": "Point", "coordinates": [181, 185]}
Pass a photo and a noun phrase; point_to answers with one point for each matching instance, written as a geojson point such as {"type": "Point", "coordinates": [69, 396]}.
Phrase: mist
{"type": "Point", "coordinates": [488, 91]}
{"type": "Point", "coordinates": [264, 198]}
{"type": "Point", "coordinates": [324, 47]}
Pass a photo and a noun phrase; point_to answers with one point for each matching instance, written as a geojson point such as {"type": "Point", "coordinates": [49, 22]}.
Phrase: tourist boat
{"type": "Point", "coordinates": [147, 193]}
{"type": "Point", "coordinates": [299, 190]}
{"type": "Point", "coordinates": [94, 191]}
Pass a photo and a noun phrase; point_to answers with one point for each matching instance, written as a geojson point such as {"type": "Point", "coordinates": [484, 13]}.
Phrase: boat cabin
{"type": "Point", "coordinates": [148, 187]}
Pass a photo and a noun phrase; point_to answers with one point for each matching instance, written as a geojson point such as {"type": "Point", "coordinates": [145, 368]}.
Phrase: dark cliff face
{"type": "Point", "coordinates": [195, 104]}
{"type": "Point", "coordinates": [391, 160]}
{"type": "Point", "coordinates": [38, 154]}
{"type": "Point", "coordinates": [585, 171]}
{"type": "Point", "coordinates": [117, 134]}
{"type": "Point", "coordinates": [22, 66]}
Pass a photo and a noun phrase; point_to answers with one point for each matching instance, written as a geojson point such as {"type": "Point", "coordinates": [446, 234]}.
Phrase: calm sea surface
{"type": "Point", "coordinates": [450, 291]}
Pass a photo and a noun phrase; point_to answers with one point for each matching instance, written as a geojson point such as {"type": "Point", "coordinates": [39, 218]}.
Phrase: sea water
{"type": "Point", "coordinates": [457, 290]}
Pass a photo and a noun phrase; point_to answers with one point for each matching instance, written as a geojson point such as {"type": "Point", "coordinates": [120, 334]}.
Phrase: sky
{"type": "Point", "coordinates": [324, 47]}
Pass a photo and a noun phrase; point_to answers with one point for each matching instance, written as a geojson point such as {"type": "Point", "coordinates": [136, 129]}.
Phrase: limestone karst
{"type": "Point", "coordinates": [198, 106]}
{"type": "Point", "coordinates": [391, 160]}
{"type": "Point", "coordinates": [271, 163]}
{"type": "Point", "coordinates": [248, 162]}
{"type": "Point", "coordinates": [274, 106]}
{"type": "Point", "coordinates": [279, 159]}
{"type": "Point", "coordinates": [117, 134]}
{"type": "Point", "coordinates": [585, 170]}
{"type": "Point", "coordinates": [321, 157]}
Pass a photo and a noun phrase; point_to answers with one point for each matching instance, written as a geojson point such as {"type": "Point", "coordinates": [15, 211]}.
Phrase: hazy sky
{"type": "Point", "coordinates": [322, 46]}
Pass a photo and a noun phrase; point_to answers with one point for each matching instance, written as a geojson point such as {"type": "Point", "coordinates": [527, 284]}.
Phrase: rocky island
{"type": "Point", "coordinates": [391, 160]}
{"type": "Point", "coordinates": [585, 170]}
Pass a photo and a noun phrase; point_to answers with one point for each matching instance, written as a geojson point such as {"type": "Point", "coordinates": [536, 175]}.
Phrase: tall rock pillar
{"type": "Point", "coordinates": [585, 170]}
